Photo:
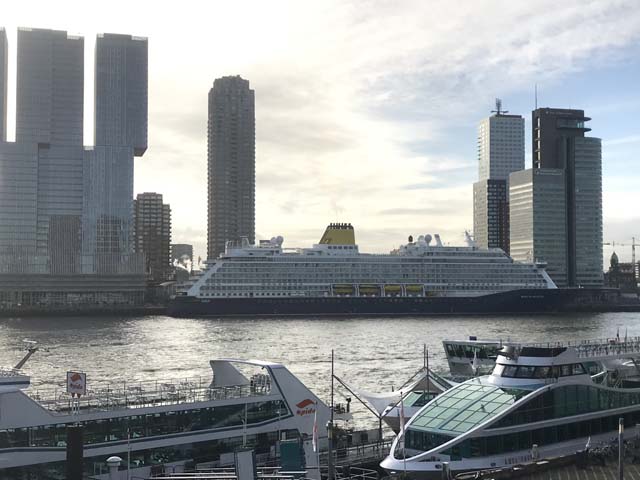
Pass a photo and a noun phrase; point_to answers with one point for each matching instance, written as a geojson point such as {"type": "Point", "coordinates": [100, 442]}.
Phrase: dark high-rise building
{"type": "Point", "coordinates": [65, 210]}
{"type": "Point", "coordinates": [152, 235]}
{"type": "Point", "coordinates": [49, 115]}
{"type": "Point", "coordinates": [500, 152]}
{"type": "Point", "coordinates": [559, 145]}
{"type": "Point", "coordinates": [4, 55]}
{"type": "Point", "coordinates": [50, 94]}
{"type": "Point", "coordinates": [551, 130]}
{"type": "Point", "coordinates": [491, 214]}
{"type": "Point", "coordinates": [231, 164]}
{"type": "Point", "coordinates": [120, 129]}
{"type": "Point", "coordinates": [121, 91]}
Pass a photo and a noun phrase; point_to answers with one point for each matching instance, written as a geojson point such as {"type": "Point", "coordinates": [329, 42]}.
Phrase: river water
{"type": "Point", "coordinates": [374, 354]}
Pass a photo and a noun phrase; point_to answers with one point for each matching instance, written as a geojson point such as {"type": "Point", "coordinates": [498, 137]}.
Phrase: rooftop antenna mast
{"type": "Point", "coordinates": [498, 111]}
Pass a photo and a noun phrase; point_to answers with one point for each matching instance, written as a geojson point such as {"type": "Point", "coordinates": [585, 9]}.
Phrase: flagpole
{"type": "Point", "coordinates": [402, 438]}
{"type": "Point", "coordinates": [330, 473]}
{"type": "Point", "coordinates": [428, 374]}
{"type": "Point", "coordinates": [314, 438]}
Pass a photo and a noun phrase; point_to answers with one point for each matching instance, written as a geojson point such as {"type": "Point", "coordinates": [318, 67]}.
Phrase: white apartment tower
{"type": "Point", "coordinates": [500, 152]}
{"type": "Point", "coordinates": [500, 146]}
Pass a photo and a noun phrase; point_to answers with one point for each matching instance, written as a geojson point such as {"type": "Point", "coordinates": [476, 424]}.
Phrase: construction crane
{"type": "Point", "coordinates": [633, 246]}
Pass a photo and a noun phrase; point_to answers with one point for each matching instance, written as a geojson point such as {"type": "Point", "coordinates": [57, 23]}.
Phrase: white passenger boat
{"type": "Point", "coordinates": [537, 402]}
{"type": "Point", "coordinates": [247, 403]}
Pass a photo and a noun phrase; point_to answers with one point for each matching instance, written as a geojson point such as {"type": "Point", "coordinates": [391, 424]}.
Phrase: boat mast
{"type": "Point", "coordinates": [330, 473]}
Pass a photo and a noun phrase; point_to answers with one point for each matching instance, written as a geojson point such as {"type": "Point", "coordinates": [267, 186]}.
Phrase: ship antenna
{"type": "Point", "coordinates": [498, 111]}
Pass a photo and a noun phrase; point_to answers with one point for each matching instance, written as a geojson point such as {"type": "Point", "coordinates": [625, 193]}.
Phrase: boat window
{"type": "Point", "coordinates": [463, 407]}
{"type": "Point", "coordinates": [578, 369]}
{"type": "Point", "coordinates": [510, 371]}
{"type": "Point", "coordinates": [566, 370]}
{"type": "Point", "coordinates": [542, 372]}
{"type": "Point", "coordinates": [525, 372]}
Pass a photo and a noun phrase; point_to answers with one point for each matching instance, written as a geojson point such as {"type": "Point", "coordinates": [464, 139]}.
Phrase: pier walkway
{"type": "Point", "coordinates": [360, 454]}
{"type": "Point", "coordinates": [593, 472]}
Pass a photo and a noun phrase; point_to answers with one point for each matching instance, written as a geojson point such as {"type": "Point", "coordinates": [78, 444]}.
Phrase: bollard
{"type": "Point", "coordinates": [74, 453]}
{"type": "Point", "coordinates": [113, 463]}
{"type": "Point", "coordinates": [446, 473]}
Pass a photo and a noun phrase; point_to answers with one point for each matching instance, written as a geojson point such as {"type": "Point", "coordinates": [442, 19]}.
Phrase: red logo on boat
{"type": "Point", "coordinates": [304, 407]}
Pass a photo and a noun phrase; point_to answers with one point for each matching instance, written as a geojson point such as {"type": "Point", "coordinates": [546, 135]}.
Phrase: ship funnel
{"type": "Point", "coordinates": [438, 241]}
{"type": "Point", "coordinates": [338, 234]}
{"type": "Point", "coordinates": [427, 238]}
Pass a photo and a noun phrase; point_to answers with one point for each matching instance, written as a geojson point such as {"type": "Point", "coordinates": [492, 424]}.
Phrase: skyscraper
{"type": "Point", "coordinates": [551, 130]}
{"type": "Point", "coordinates": [500, 152]}
{"type": "Point", "coordinates": [152, 235]}
{"type": "Point", "coordinates": [4, 55]}
{"type": "Point", "coordinates": [120, 134]}
{"type": "Point", "coordinates": [231, 163]}
{"type": "Point", "coordinates": [491, 214]}
{"type": "Point", "coordinates": [559, 145]}
{"type": "Point", "coordinates": [500, 145]}
{"type": "Point", "coordinates": [538, 219]}
{"type": "Point", "coordinates": [50, 93]}
{"type": "Point", "coordinates": [49, 114]}
{"type": "Point", "coordinates": [121, 91]}
{"type": "Point", "coordinates": [65, 210]}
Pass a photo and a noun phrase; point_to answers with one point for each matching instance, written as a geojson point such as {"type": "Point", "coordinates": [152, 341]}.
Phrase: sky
{"type": "Point", "coordinates": [366, 111]}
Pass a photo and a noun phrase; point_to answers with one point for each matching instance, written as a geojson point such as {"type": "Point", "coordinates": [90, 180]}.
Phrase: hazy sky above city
{"type": "Point", "coordinates": [366, 111]}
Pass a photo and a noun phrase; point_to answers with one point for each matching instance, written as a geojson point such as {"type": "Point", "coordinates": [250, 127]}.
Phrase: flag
{"type": "Point", "coordinates": [314, 437]}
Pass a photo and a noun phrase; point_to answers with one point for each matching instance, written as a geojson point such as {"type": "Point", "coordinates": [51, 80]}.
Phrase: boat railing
{"type": "Point", "coordinates": [10, 372]}
{"type": "Point", "coordinates": [131, 395]}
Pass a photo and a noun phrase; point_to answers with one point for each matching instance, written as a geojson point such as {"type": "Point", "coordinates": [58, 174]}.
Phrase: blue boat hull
{"type": "Point", "coordinates": [515, 301]}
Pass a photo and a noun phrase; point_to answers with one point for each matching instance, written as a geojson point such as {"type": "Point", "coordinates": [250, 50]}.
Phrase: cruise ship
{"type": "Point", "coordinates": [539, 402]}
{"type": "Point", "coordinates": [333, 277]}
{"type": "Point", "coordinates": [157, 426]}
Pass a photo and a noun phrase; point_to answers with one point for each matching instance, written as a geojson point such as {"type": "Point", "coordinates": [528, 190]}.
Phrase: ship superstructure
{"type": "Point", "coordinates": [333, 276]}
{"type": "Point", "coordinates": [538, 402]}
{"type": "Point", "coordinates": [248, 403]}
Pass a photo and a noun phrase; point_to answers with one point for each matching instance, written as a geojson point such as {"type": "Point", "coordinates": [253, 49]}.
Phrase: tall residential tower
{"type": "Point", "coordinates": [500, 152]}
{"type": "Point", "coordinates": [231, 164]}
{"type": "Point", "coordinates": [152, 235]}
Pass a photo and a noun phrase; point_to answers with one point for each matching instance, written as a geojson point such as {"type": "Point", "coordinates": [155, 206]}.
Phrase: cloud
{"type": "Point", "coordinates": [366, 110]}
{"type": "Point", "coordinates": [622, 141]}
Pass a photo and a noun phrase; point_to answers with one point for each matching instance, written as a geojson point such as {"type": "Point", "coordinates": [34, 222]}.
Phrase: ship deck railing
{"type": "Point", "coordinates": [143, 395]}
{"type": "Point", "coordinates": [10, 372]}
{"type": "Point", "coordinates": [596, 348]}
{"type": "Point", "coordinates": [365, 453]}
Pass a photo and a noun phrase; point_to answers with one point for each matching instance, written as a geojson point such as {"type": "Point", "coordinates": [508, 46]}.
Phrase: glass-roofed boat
{"type": "Point", "coordinates": [556, 398]}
